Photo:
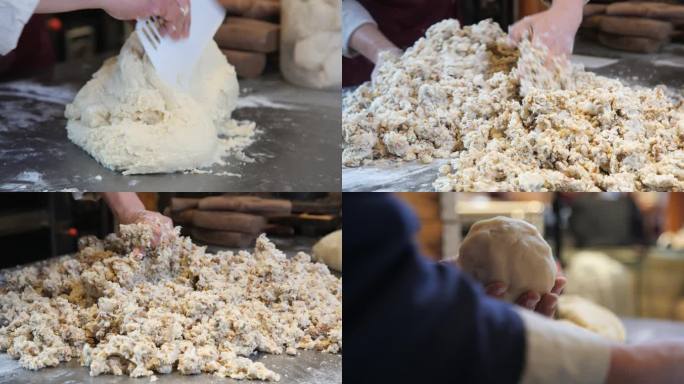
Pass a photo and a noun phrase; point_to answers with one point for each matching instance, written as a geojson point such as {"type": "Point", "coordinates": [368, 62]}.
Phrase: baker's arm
{"type": "Point", "coordinates": [548, 2]}
{"type": "Point", "coordinates": [129, 209]}
{"type": "Point", "coordinates": [15, 15]}
{"type": "Point", "coordinates": [561, 353]}
{"type": "Point", "coordinates": [556, 27]}
{"type": "Point", "coordinates": [360, 33]}
{"type": "Point", "coordinates": [174, 12]}
{"type": "Point", "coordinates": [564, 354]}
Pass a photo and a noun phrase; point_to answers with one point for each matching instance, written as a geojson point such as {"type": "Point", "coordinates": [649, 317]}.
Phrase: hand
{"type": "Point", "coordinates": [555, 27]}
{"type": "Point", "coordinates": [160, 224]}
{"type": "Point", "coordinates": [129, 209]}
{"type": "Point", "coordinates": [544, 304]}
{"type": "Point", "coordinates": [175, 13]}
{"type": "Point", "coordinates": [382, 57]}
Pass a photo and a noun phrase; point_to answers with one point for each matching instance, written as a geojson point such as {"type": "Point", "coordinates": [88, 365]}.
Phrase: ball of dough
{"type": "Point", "coordinates": [510, 251]}
{"type": "Point", "coordinates": [593, 317]}
{"type": "Point", "coordinates": [311, 53]}
{"type": "Point", "coordinates": [328, 250]}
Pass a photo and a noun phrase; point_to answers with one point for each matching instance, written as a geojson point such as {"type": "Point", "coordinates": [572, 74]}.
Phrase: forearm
{"type": "Point", "coordinates": [573, 7]}
{"type": "Point", "coordinates": [655, 362]}
{"type": "Point", "coordinates": [123, 204]}
{"type": "Point", "coordinates": [369, 42]}
{"type": "Point", "coordinates": [560, 353]}
{"type": "Point", "coordinates": [56, 6]}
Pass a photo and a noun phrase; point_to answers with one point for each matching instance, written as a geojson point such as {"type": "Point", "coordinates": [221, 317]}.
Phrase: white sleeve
{"type": "Point", "coordinates": [14, 14]}
{"type": "Point", "coordinates": [354, 15]}
{"type": "Point", "coordinates": [562, 353]}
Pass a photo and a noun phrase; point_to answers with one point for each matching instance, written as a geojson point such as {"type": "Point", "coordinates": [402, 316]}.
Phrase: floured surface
{"type": "Point", "coordinates": [309, 367]}
{"type": "Point", "coordinates": [108, 306]}
{"type": "Point", "coordinates": [385, 175]}
{"type": "Point", "coordinates": [462, 94]}
{"type": "Point", "coordinates": [130, 121]}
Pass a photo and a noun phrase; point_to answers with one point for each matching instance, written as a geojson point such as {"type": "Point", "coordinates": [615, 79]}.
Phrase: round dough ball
{"type": "Point", "coordinates": [328, 250]}
{"type": "Point", "coordinates": [593, 317]}
{"type": "Point", "coordinates": [510, 251]}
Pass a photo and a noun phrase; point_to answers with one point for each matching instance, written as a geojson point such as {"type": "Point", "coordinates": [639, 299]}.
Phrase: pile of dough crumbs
{"type": "Point", "coordinates": [122, 306]}
{"type": "Point", "coordinates": [511, 119]}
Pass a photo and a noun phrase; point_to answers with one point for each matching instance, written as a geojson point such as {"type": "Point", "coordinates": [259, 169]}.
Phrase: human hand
{"type": "Point", "coordinates": [161, 225]}
{"type": "Point", "coordinates": [544, 304]}
{"type": "Point", "coordinates": [174, 13]}
{"type": "Point", "coordinates": [555, 27]}
{"type": "Point", "coordinates": [383, 57]}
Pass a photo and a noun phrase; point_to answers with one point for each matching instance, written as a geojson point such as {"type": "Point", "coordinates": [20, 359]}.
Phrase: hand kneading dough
{"type": "Point", "coordinates": [328, 250]}
{"type": "Point", "coordinates": [593, 317]}
{"type": "Point", "coordinates": [510, 251]}
{"type": "Point", "coordinates": [130, 121]}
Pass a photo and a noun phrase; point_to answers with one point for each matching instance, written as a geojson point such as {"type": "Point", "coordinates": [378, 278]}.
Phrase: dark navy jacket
{"type": "Point", "coordinates": [408, 319]}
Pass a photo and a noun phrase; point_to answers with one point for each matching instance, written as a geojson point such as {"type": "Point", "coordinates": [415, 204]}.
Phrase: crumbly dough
{"type": "Point", "coordinates": [593, 317]}
{"type": "Point", "coordinates": [130, 121]}
{"type": "Point", "coordinates": [508, 122]}
{"type": "Point", "coordinates": [124, 307]}
{"type": "Point", "coordinates": [509, 251]}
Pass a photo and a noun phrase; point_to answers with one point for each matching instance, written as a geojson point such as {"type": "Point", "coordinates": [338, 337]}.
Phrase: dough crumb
{"type": "Point", "coordinates": [124, 306]}
{"type": "Point", "coordinates": [510, 119]}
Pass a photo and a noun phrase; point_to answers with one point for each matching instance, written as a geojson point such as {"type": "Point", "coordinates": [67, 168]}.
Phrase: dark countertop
{"type": "Point", "coordinates": [666, 67]}
{"type": "Point", "coordinates": [297, 147]}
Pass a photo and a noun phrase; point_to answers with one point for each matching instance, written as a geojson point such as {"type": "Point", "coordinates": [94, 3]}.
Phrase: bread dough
{"type": "Point", "coordinates": [603, 280]}
{"type": "Point", "coordinates": [328, 250]}
{"type": "Point", "coordinates": [586, 314]}
{"type": "Point", "coordinates": [508, 122]}
{"type": "Point", "coordinates": [312, 42]}
{"type": "Point", "coordinates": [130, 121]}
{"type": "Point", "coordinates": [511, 251]}
{"type": "Point", "coordinates": [108, 305]}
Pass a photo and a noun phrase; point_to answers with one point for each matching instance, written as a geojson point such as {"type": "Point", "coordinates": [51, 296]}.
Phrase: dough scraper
{"type": "Point", "coordinates": [175, 60]}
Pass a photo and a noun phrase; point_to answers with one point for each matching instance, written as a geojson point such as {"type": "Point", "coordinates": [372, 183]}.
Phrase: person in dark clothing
{"type": "Point", "coordinates": [408, 319]}
{"type": "Point", "coordinates": [389, 287]}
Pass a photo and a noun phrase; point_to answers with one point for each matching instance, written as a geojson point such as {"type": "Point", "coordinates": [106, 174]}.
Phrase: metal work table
{"type": "Point", "coordinates": [297, 147]}
{"type": "Point", "coordinates": [308, 367]}
{"type": "Point", "coordinates": [640, 330]}
{"type": "Point", "coordinates": [666, 68]}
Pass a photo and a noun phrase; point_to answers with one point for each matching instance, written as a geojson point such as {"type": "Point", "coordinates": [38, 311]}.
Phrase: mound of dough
{"type": "Point", "coordinates": [603, 280]}
{"type": "Point", "coordinates": [593, 317]}
{"type": "Point", "coordinates": [124, 307]}
{"type": "Point", "coordinates": [328, 250]}
{"type": "Point", "coordinates": [130, 121]}
{"type": "Point", "coordinates": [509, 122]}
{"type": "Point", "coordinates": [511, 251]}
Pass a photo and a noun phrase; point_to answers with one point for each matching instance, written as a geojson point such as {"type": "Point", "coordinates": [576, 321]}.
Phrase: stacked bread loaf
{"type": "Point", "coordinates": [635, 26]}
{"type": "Point", "coordinates": [231, 221]}
{"type": "Point", "coordinates": [249, 34]}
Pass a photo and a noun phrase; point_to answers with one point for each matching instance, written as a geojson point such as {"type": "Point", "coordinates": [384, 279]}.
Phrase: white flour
{"type": "Point", "coordinates": [255, 101]}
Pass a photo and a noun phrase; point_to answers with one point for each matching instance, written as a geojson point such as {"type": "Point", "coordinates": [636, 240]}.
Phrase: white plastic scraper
{"type": "Point", "coordinates": [175, 60]}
